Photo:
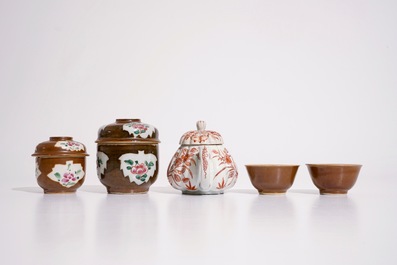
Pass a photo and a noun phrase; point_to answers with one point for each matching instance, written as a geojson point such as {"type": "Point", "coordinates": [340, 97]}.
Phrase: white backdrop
{"type": "Point", "coordinates": [282, 81]}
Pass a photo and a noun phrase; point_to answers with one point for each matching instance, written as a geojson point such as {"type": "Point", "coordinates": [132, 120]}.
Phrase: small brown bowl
{"type": "Point", "coordinates": [334, 178]}
{"type": "Point", "coordinates": [60, 164]}
{"type": "Point", "coordinates": [272, 179]}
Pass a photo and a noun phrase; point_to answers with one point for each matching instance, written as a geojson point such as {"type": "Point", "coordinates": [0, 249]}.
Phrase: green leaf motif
{"type": "Point", "coordinates": [129, 161]}
{"type": "Point", "coordinates": [149, 165]}
{"type": "Point", "coordinates": [78, 171]}
{"type": "Point", "coordinates": [57, 175]}
{"type": "Point", "coordinates": [129, 168]}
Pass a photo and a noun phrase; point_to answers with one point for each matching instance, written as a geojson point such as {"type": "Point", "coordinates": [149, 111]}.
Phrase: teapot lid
{"type": "Point", "coordinates": [201, 136]}
{"type": "Point", "coordinates": [127, 131]}
{"type": "Point", "coordinates": [58, 146]}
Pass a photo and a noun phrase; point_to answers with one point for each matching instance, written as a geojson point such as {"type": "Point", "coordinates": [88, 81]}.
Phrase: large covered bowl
{"type": "Point", "coordinates": [127, 156]}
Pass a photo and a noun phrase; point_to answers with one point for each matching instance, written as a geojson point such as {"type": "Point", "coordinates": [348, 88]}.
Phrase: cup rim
{"type": "Point", "coordinates": [272, 165]}
{"type": "Point", "coordinates": [333, 165]}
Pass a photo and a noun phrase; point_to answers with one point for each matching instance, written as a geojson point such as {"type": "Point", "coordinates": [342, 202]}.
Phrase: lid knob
{"type": "Point", "coordinates": [61, 138]}
{"type": "Point", "coordinates": [201, 125]}
{"type": "Point", "coordinates": [201, 136]}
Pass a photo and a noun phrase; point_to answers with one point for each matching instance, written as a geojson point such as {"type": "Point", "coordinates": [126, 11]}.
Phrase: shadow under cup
{"type": "Point", "coordinates": [272, 179]}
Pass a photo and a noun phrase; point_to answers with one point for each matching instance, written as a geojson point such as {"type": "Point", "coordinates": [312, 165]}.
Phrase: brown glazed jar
{"type": "Point", "coordinates": [60, 164]}
{"type": "Point", "coordinates": [127, 156]}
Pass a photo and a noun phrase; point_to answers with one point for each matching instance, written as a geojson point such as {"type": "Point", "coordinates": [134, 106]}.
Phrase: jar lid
{"type": "Point", "coordinates": [127, 131]}
{"type": "Point", "coordinates": [60, 146]}
{"type": "Point", "coordinates": [201, 136]}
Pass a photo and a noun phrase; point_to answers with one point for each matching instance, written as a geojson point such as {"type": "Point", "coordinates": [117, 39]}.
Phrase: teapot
{"type": "Point", "coordinates": [202, 165]}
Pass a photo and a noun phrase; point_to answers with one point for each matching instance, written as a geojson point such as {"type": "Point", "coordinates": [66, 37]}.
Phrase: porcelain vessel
{"type": "Point", "coordinates": [60, 164]}
{"type": "Point", "coordinates": [202, 165]}
{"type": "Point", "coordinates": [272, 179]}
{"type": "Point", "coordinates": [127, 156]}
{"type": "Point", "coordinates": [334, 178]}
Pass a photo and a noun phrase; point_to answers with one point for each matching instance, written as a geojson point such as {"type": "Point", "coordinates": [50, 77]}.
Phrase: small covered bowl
{"type": "Point", "coordinates": [202, 165]}
{"type": "Point", "coordinates": [60, 164]}
{"type": "Point", "coordinates": [127, 156]}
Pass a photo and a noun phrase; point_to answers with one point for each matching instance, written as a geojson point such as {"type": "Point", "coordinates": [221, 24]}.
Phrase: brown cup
{"type": "Point", "coordinates": [60, 164]}
{"type": "Point", "coordinates": [272, 179]}
{"type": "Point", "coordinates": [334, 178]}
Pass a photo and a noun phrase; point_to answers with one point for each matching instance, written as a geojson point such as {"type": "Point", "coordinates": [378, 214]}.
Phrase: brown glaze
{"type": "Point", "coordinates": [48, 155]}
{"type": "Point", "coordinates": [334, 178]}
{"type": "Point", "coordinates": [114, 134]}
{"type": "Point", "coordinates": [272, 179]}
{"type": "Point", "coordinates": [113, 179]}
{"type": "Point", "coordinates": [114, 141]}
{"type": "Point", "coordinates": [46, 164]}
{"type": "Point", "coordinates": [48, 148]}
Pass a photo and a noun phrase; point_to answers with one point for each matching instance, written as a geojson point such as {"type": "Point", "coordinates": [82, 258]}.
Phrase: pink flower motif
{"type": "Point", "coordinates": [140, 127]}
{"type": "Point", "coordinates": [68, 176]}
{"type": "Point", "coordinates": [139, 169]}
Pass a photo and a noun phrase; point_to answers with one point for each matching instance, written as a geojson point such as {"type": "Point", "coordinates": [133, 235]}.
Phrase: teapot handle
{"type": "Point", "coordinates": [205, 183]}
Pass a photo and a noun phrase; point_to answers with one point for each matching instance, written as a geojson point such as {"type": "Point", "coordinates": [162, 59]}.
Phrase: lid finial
{"type": "Point", "coordinates": [201, 125]}
{"type": "Point", "coordinates": [201, 136]}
